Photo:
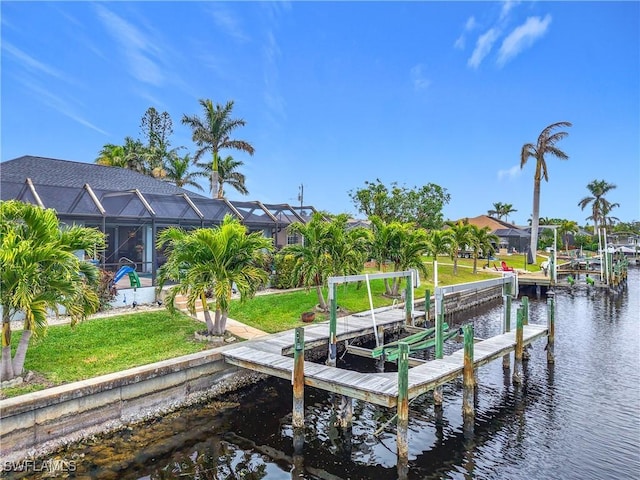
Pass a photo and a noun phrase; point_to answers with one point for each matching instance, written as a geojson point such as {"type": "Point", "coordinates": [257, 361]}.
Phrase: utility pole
{"type": "Point", "coordinates": [301, 195]}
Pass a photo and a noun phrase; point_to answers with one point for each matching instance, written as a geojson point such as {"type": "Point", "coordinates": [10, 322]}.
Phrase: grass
{"type": "Point", "coordinates": [117, 343]}
{"type": "Point", "coordinates": [106, 345]}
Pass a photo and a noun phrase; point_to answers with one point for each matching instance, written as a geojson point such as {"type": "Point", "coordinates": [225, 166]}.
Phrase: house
{"type": "Point", "coordinates": [131, 208]}
{"type": "Point", "coordinates": [512, 238]}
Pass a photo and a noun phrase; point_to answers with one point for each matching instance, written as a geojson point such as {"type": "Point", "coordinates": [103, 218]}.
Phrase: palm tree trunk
{"type": "Point", "coordinates": [455, 265]}
{"type": "Point", "coordinates": [6, 367]}
{"type": "Point", "coordinates": [207, 314]}
{"type": "Point", "coordinates": [535, 217]}
{"type": "Point", "coordinates": [21, 352]}
{"type": "Point", "coordinates": [475, 264]}
{"type": "Point", "coordinates": [220, 323]}
{"type": "Point", "coordinates": [321, 301]}
{"type": "Point", "coordinates": [387, 288]}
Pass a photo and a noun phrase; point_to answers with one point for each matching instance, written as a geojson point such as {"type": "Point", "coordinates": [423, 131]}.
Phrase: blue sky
{"type": "Point", "coordinates": [338, 93]}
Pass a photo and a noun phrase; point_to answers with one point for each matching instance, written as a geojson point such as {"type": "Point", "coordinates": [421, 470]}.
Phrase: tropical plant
{"type": "Point", "coordinates": [600, 206]}
{"type": "Point", "coordinates": [438, 242]}
{"type": "Point", "coordinates": [565, 228]}
{"type": "Point", "coordinates": [400, 245]}
{"type": "Point", "coordinates": [39, 271]}
{"type": "Point", "coordinates": [212, 134]}
{"type": "Point", "coordinates": [227, 174]}
{"type": "Point", "coordinates": [422, 206]}
{"type": "Point", "coordinates": [329, 248]}
{"type": "Point", "coordinates": [213, 259]}
{"type": "Point", "coordinates": [546, 145]}
{"type": "Point", "coordinates": [501, 210]}
{"type": "Point", "coordinates": [177, 172]}
{"type": "Point", "coordinates": [460, 238]}
{"type": "Point", "coordinates": [481, 242]}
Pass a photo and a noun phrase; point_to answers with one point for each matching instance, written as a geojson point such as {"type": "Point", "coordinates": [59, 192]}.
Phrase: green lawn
{"type": "Point", "coordinates": [107, 345]}
{"type": "Point", "coordinates": [110, 344]}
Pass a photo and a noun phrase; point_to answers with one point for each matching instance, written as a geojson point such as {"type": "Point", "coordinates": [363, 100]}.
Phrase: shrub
{"type": "Point", "coordinates": [283, 278]}
{"type": "Point", "coordinates": [107, 291]}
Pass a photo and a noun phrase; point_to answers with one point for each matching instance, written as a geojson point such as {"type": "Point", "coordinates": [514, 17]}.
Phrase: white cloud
{"type": "Point", "coordinates": [418, 77]}
{"type": "Point", "coordinates": [506, 8]}
{"type": "Point", "coordinates": [137, 47]}
{"type": "Point", "coordinates": [483, 47]}
{"type": "Point", "coordinates": [29, 62]}
{"type": "Point", "coordinates": [227, 22]}
{"type": "Point", "coordinates": [461, 40]}
{"type": "Point", "coordinates": [60, 105]}
{"type": "Point", "coordinates": [512, 172]}
{"type": "Point", "coordinates": [523, 37]}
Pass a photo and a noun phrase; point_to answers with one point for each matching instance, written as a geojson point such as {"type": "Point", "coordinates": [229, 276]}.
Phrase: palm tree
{"type": "Point", "coordinates": [501, 210]}
{"type": "Point", "coordinates": [439, 242]}
{"type": "Point", "coordinates": [482, 241]}
{"type": "Point", "coordinates": [39, 271]}
{"type": "Point", "coordinates": [565, 228]}
{"type": "Point", "coordinates": [329, 248]}
{"type": "Point", "coordinates": [546, 145]}
{"type": "Point", "coordinates": [460, 237]}
{"type": "Point", "coordinates": [600, 206]}
{"type": "Point", "coordinates": [213, 259]}
{"type": "Point", "coordinates": [212, 134]}
{"type": "Point", "coordinates": [112, 156]}
{"type": "Point", "coordinates": [177, 172]}
{"type": "Point", "coordinates": [227, 174]}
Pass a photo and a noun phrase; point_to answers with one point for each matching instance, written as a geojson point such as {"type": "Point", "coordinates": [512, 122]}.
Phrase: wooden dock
{"type": "Point", "coordinates": [270, 355]}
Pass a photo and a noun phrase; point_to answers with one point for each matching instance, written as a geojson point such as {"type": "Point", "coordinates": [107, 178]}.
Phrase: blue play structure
{"type": "Point", "coordinates": [134, 280]}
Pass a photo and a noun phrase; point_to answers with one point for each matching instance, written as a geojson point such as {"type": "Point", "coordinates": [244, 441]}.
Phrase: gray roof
{"type": "Point", "coordinates": [64, 173]}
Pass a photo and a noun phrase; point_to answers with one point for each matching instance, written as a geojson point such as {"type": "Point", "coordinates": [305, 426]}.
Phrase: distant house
{"type": "Point", "coordinates": [512, 238]}
{"type": "Point", "coordinates": [130, 208]}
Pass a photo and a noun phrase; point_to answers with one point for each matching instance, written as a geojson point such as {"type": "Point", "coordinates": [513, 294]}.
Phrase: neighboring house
{"type": "Point", "coordinates": [130, 208]}
{"type": "Point", "coordinates": [512, 238]}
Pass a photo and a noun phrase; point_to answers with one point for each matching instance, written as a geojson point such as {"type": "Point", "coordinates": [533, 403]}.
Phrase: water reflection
{"type": "Point", "coordinates": [578, 418]}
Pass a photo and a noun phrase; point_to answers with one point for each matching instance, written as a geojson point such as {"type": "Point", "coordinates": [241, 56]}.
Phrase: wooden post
{"type": "Point", "coordinates": [506, 324]}
{"type": "Point", "coordinates": [517, 365]}
{"type": "Point", "coordinates": [408, 300]}
{"type": "Point", "coordinates": [468, 377]}
{"type": "Point", "coordinates": [345, 418]}
{"type": "Point", "coordinates": [333, 327]}
{"type": "Point", "coordinates": [403, 404]}
{"type": "Point", "coordinates": [525, 321]}
{"type": "Point", "coordinates": [298, 379]}
{"type": "Point", "coordinates": [525, 310]}
{"type": "Point", "coordinates": [427, 304]}
{"type": "Point", "coordinates": [551, 329]}
{"type": "Point", "coordinates": [437, 392]}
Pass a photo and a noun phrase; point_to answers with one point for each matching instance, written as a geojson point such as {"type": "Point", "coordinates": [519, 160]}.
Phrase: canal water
{"type": "Point", "coordinates": [576, 419]}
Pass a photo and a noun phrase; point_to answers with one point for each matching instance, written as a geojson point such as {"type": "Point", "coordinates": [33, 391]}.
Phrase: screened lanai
{"type": "Point", "coordinates": [131, 208]}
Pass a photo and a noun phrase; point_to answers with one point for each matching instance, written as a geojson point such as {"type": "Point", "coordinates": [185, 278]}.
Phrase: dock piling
{"type": "Point", "coordinates": [437, 392]}
{"type": "Point", "coordinates": [468, 376]}
{"type": "Point", "coordinates": [551, 329]}
{"type": "Point", "coordinates": [403, 403]}
{"type": "Point", "coordinates": [517, 364]}
{"type": "Point", "coordinates": [298, 379]}
{"type": "Point", "coordinates": [525, 321]}
{"type": "Point", "coordinates": [506, 325]}
{"type": "Point", "coordinates": [333, 326]}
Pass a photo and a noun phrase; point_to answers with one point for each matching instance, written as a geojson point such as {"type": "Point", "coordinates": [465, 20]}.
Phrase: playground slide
{"type": "Point", "coordinates": [121, 273]}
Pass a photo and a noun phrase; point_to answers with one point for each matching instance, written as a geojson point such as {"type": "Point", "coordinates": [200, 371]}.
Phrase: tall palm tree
{"type": "Point", "coordinates": [600, 206]}
{"type": "Point", "coordinates": [39, 271]}
{"type": "Point", "coordinates": [482, 241]}
{"type": "Point", "coordinates": [501, 210]}
{"type": "Point", "coordinates": [460, 237]}
{"type": "Point", "coordinates": [227, 174]}
{"type": "Point", "coordinates": [177, 172]}
{"type": "Point", "coordinates": [213, 259]}
{"type": "Point", "coordinates": [212, 134]}
{"type": "Point", "coordinates": [546, 145]}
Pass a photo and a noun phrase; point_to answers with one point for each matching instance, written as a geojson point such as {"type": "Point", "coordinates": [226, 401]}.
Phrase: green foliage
{"type": "Point", "coordinates": [284, 265]}
{"type": "Point", "coordinates": [422, 206]}
{"type": "Point", "coordinates": [106, 290]}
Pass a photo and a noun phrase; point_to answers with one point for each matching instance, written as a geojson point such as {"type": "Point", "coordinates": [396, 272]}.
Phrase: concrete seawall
{"type": "Point", "coordinates": [37, 423]}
